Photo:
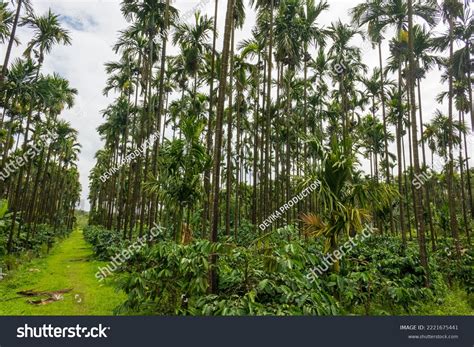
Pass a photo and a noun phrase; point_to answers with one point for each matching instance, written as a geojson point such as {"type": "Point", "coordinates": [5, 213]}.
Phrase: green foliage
{"type": "Point", "coordinates": [344, 197]}
{"type": "Point", "coordinates": [105, 243]}
{"type": "Point", "coordinates": [181, 164]}
{"type": "Point", "coordinates": [4, 223]}
{"type": "Point", "coordinates": [453, 270]}
{"type": "Point", "coordinates": [380, 273]}
{"type": "Point", "coordinates": [268, 278]}
{"type": "Point", "coordinates": [3, 209]}
{"type": "Point", "coordinates": [36, 240]}
{"type": "Point", "coordinates": [29, 243]}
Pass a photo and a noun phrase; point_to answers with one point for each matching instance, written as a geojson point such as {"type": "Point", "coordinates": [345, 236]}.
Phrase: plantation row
{"type": "Point", "coordinates": [269, 276]}
{"type": "Point", "coordinates": [39, 180]}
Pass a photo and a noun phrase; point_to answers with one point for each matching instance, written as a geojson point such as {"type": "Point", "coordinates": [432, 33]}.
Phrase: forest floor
{"type": "Point", "coordinates": [69, 265]}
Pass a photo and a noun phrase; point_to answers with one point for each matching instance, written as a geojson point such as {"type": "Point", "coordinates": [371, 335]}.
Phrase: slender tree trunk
{"type": "Point", "coordinates": [399, 129]}
{"type": "Point", "coordinates": [207, 173]}
{"type": "Point", "coordinates": [418, 197]}
{"type": "Point", "coordinates": [463, 194]}
{"type": "Point", "coordinates": [268, 113]}
{"type": "Point", "coordinates": [10, 42]}
{"type": "Point", "coordinates": [468, 174]}
{"type": "Point", "coordinates": [238, 159]}
{"type": "Point", "coordinates": [451, 193]}
{"type": "Point", "coordinates": [385, 133]}
{"type": "Point", "coordinates": [218, 140]}
{"type": "Point", "coordinates": [229, 136]}
{"type": "Point", "coordinates": [255, 147]}
{"type": "Point", "coordinates": [427, 183]}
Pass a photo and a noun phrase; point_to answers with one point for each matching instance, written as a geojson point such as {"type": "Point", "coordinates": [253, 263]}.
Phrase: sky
{"type": "Point", "coordinates": [94, 26]}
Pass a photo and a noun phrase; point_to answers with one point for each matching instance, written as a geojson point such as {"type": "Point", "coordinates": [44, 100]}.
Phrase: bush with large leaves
{"type": "Point", "coordinates": [266, 278]}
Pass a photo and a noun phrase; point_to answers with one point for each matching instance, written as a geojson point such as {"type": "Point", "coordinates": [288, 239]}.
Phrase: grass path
{"type": "Point", "coordinates": [69, 265]}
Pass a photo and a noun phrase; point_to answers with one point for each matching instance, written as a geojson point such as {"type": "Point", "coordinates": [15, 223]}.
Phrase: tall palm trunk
{"type": "Point", "coordinates": [229, 135]}
{"type": "Point", "coordinates": [16, 203]}
{"type": "Point", "coordinates": [161, 93]}
{"type": "Point", "coordinates": [463, 194]}
{"type": "Point", "coordinates": [11, 41]}
{"type": "Point", "coordinates": [207, 173]}
{"type": "Point", "coordinates": [218, 139]}
{"type": "Point", "coordinates": [418, 197]}
{"type": "Point", "coordinates": [133, 172]}
{"type": "Point", "coordinates": [255, 149]}
{"type": "Point", "coordinates": [384, 120]}
{"type": "Point", "coordinates": [399, 131]}
{"type": "Point", "coordinates": [471, 111]}
{"type": "Point", "coordinates": [238, 159]}
{"type": "Point", "coordinates": [268, 112]}
{"type": "Point", "coordinates": [469, 88]}
{"type": "Point", "coordinates": [427, 184]}
{"type": "Point", "coordinates": [468, 173]}
{"type": "Point", "coordinates": [261, 168]}
{"type": "Point", "coordinates": [288, 147]}
{"type": "Point", "coordinates": [451, 194]}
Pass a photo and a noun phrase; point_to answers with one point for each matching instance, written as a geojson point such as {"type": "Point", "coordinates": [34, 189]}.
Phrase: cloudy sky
{"type": "Point", "coordinates": [94, 24]}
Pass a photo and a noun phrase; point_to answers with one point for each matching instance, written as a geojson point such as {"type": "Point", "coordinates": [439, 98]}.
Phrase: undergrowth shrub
{"type": "Point", "coordinates": [378, 274]}
{"type": "Point", "coordinates": [265, 278]}
{"type": "Point", "coordinates": [454, 270]}
{"type": "Point", "coordinates": [269, 276]}
{"type": "Point", "coordinates": [105, 243]}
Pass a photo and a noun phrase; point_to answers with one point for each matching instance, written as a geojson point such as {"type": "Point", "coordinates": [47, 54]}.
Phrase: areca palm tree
{"type": "Point", "coordinates": [312, 34]}
{"type": "Point", "coordinates": [345, 198]}
{"type": "Point", "coordinates": [47, 33]}
{"type": "Point", "coordinates": [61, 96]}
{"type": "Point", "coordinates": [238, 18]}
{"type": "Point", "coordinates": [219, 135]}
{"type": "Point", "coordinates": [44, 186]}
{"type": "Point", "coordinates": [182, 162]}
{"type": "Point", "coordinates": [206, 217]}
{"type": "Point", "coordinates": [463, 30]}
{"type": "Point", "coordinates": [346, 61]}
{"type": "Point", "coordinates": [450, 11]}
{"type": "Point", "coordinates": [19, 5]}
{"type": "Point", "coordinates": [401, 14]}
{"type": "Point", "coordinates": [417, 195]}
{"type": "Point", "coordinates": [18, 88]}
{"type": "Point", "coordinates": [438, 134]}
{"type": "Point", "coordinates": [6, 23]}
{"type": "Point", "coordinates": [193, 41]}
{"type": "Point", "coordinates": [370, 13]}
{"type": "Point", "coordinates": [266, 21]}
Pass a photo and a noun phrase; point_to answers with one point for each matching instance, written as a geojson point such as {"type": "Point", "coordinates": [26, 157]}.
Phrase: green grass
{"type": "Point", "coordinates": [456, 303]}
{"type": "Point", "coordinates": [69, 265]}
